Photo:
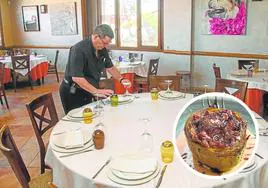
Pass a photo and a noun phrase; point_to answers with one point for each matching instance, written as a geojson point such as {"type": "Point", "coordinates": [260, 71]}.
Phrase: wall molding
{"type": "Point", "coordinates": [226, 54]}
{"type": "Point", "coordinates": [217, 54]}
{"type": "Point", "coordinates": [176, 52]}
{"type": "Point", "coordinates": [33, 46]}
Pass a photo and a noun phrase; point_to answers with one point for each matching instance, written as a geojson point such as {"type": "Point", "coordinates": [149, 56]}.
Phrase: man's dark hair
{"type": "Point", "coordinates": [104, 30]}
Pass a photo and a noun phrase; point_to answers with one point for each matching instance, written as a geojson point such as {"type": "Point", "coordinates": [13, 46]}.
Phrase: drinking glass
{"type": "Point", "coordinates": [154, 93]}
{"type": "Point", "coordinates": [167, 151]}
{"type": "Point", "coordinates": [126, 86]}
{"type": "Point", "coordinates": [168, 85]}
{"type": "Point", "coordinates": [114, 100]}
{"type": "Point", "coordinates": [146, 138]}
{"type": "Point", "coordinates": [87, 115]}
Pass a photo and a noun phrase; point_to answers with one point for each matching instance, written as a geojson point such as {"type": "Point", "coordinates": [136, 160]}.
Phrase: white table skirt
{"type": "Point", "coordinates": [123, 135]}
{"type": "Point", "coordinates": [257, 81]}
{"type": "Point", "coordinates": [34, 61]}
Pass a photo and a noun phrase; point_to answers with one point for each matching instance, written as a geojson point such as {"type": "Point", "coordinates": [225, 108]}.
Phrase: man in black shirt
{"type": "Point", "coordinates": [87, 59]}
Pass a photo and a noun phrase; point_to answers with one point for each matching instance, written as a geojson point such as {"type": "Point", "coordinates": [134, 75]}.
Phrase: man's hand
{"type": "Point", "coordinates": [104, 93]}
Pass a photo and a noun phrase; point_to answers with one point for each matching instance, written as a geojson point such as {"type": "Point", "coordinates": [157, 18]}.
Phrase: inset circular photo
{"type": "Point", "coordinates": [216, 135]}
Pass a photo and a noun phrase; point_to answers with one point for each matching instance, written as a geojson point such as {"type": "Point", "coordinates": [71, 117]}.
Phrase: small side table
{"type": "Point", "coordinates": [184, 74]}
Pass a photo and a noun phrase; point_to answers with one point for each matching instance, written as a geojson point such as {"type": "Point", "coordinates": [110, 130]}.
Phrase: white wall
{"type": "Point", "coordinates": [177, 36]}
{"type": "Point", "coordinates": [42, 37]}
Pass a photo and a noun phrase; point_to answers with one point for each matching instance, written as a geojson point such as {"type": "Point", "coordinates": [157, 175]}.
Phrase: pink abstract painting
{"type": "Point", "coordinates": [226, 17]}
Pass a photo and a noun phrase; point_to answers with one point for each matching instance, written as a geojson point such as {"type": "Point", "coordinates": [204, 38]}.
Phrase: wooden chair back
{"type": "Point", "coordinates": [243, 62]}
{"type": "Point", "coordinates": [159, 82]}
{"type": "Point", "coordinates": [21, 62]}
{"type": "Point", "coordinates": [153, 67]}
{"type": "Point", "coordinates": [43, 115]}
{"type": "Point", "coordinates": [233, 87]}
{"type": "Point", "coordinates": [56, 58]}
{"type": "Point", "coordinates": [52, 68]}
{"type": "Point", "coordinates": [2, 86]}
{"type": "Point", "coordinates": [2, 73]}
{"type": "Point", "coordinates": [217, 71]}
{"type": "Point", "coordinates": [10, 150]}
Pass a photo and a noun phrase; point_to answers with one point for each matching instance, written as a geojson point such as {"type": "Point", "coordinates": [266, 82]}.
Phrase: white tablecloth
{"type": "Point", "coordinates": [137, 67]}
{"type": "Point", "coordinates": [34, 61]}
{"type": "Point", "coordinates": [123, 135]}
{"type": "Point", "coordinates": [257, 81]}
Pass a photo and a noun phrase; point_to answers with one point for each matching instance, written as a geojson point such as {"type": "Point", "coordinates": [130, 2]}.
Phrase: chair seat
{"type": "Point", "coordinates": [42, 180]}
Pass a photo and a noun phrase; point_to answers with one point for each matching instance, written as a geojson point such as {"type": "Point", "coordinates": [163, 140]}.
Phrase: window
{"type": "Point", "coordinates": [136, 22]}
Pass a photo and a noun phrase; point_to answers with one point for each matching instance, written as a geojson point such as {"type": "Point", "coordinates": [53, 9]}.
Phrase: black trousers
{"type": "Point", "coordinates": [73, 100]}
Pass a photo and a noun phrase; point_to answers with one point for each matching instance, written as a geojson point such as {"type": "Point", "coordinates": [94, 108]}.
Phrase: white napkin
{"type": "Point", "coordinates": [132, 165]}
{"type": "Point", "coordinates": [74, 139]}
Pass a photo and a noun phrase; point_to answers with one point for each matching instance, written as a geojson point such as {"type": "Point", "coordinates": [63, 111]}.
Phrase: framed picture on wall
{"type": "Point", "coordinates": [43, 9]}
{"type": "Point", "coordinates": [30, 15]}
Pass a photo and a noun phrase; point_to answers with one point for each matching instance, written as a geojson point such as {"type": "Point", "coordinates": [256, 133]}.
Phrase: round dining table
{"type": "Point", "coordinates": [123, 127]}
{"type": "Point", "coordinates": [257, 86]}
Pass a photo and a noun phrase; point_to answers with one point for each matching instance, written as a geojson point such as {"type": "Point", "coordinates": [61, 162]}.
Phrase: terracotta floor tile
{"type": "Point", "coordinates": [18, 120]}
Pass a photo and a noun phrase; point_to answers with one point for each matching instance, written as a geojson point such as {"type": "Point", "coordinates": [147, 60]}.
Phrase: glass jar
{"type": "Point", "coordinates": [154, 93]}
{"type": "Point", "coordinates": [98, 139]}
{"type": "Point", "coordinates": [114, 100]}
{"type": "Point", "coordinates": [87, 115]}
{"type": "Point", "coordinates": [167, 151]}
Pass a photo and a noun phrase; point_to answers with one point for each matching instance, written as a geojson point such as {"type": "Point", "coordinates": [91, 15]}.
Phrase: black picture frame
{"type": "Point", "coordinates": [30, 15]}
{"type": "Point", "coordinates": [43, 9]}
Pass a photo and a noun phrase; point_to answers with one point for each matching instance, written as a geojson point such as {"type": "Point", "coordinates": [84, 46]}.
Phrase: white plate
{"type": "Point", "coordinates": [135, 63]}
{"type": "Point", "coordinates": [78, 113]}
{"type": "Point", "coordinates": [131, 176]}
{"type": "Point", "coordinates": [121, 181]}
{"type": "Point", "coordinates": [61, 139]}
{"type": "Point", "coordinates": [123, 98]}
{"type": "Point", "coordinates": [171, 95]}
{"type": "Point", "coordinates": [88, 145]}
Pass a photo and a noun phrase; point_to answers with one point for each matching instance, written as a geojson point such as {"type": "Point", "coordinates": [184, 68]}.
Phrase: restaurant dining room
{"type": "Point", "coordinates": [134, 93]}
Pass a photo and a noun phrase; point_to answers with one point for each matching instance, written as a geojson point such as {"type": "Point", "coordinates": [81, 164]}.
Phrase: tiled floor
{"type": "Point", "coordinates": [18, 120]}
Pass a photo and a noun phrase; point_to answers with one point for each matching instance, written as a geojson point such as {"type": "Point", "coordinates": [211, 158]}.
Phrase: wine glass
{"type": "Point", "coordinates": [248, 67]}
{"type": "Point", "coordinates": [99, 107]}
{"type": "Point", "coordinates": [146, 137]}
{"type": "Point", "coordinates": [205, 88]}
{"type": "Point", "coordinates": [168, 85]}
{"type": "Point", "coordinates": [126, 86]}
{"type": "Point", "coordinates": [205, 91]}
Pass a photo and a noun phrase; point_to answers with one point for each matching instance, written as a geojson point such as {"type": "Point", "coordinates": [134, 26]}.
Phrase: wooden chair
{"type": "Point", "coordinates": [42, 109]}
{"type": "Point", "coordinates": [135, 56]}
{"type": "Point", "coordinates": [159, 82]}
{"type": "Point", "coordinates": [52, 66]}
{"type": "Point", "coordinates": [20, 63]}
{"type": "Point", "coordinates": [141, 83]}
{"type": "Point", "coordinates": [10, 150]}
{"type": "Point", "coordinates": [106, 84]}
{"type": "Point", "coordinates": [242, 63]}
{"type": "Point", "coordinates": [217, 71]}
{"type": "Point", "coordinates": [233, 87]}
{"type": "Point", "coordinates": [2, 86]}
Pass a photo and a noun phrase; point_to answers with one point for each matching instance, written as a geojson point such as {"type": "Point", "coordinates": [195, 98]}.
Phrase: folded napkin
{"type": "Point", "coordinates": [132, 165]}
{"type": "Point", "coordinates": [74, 139]}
